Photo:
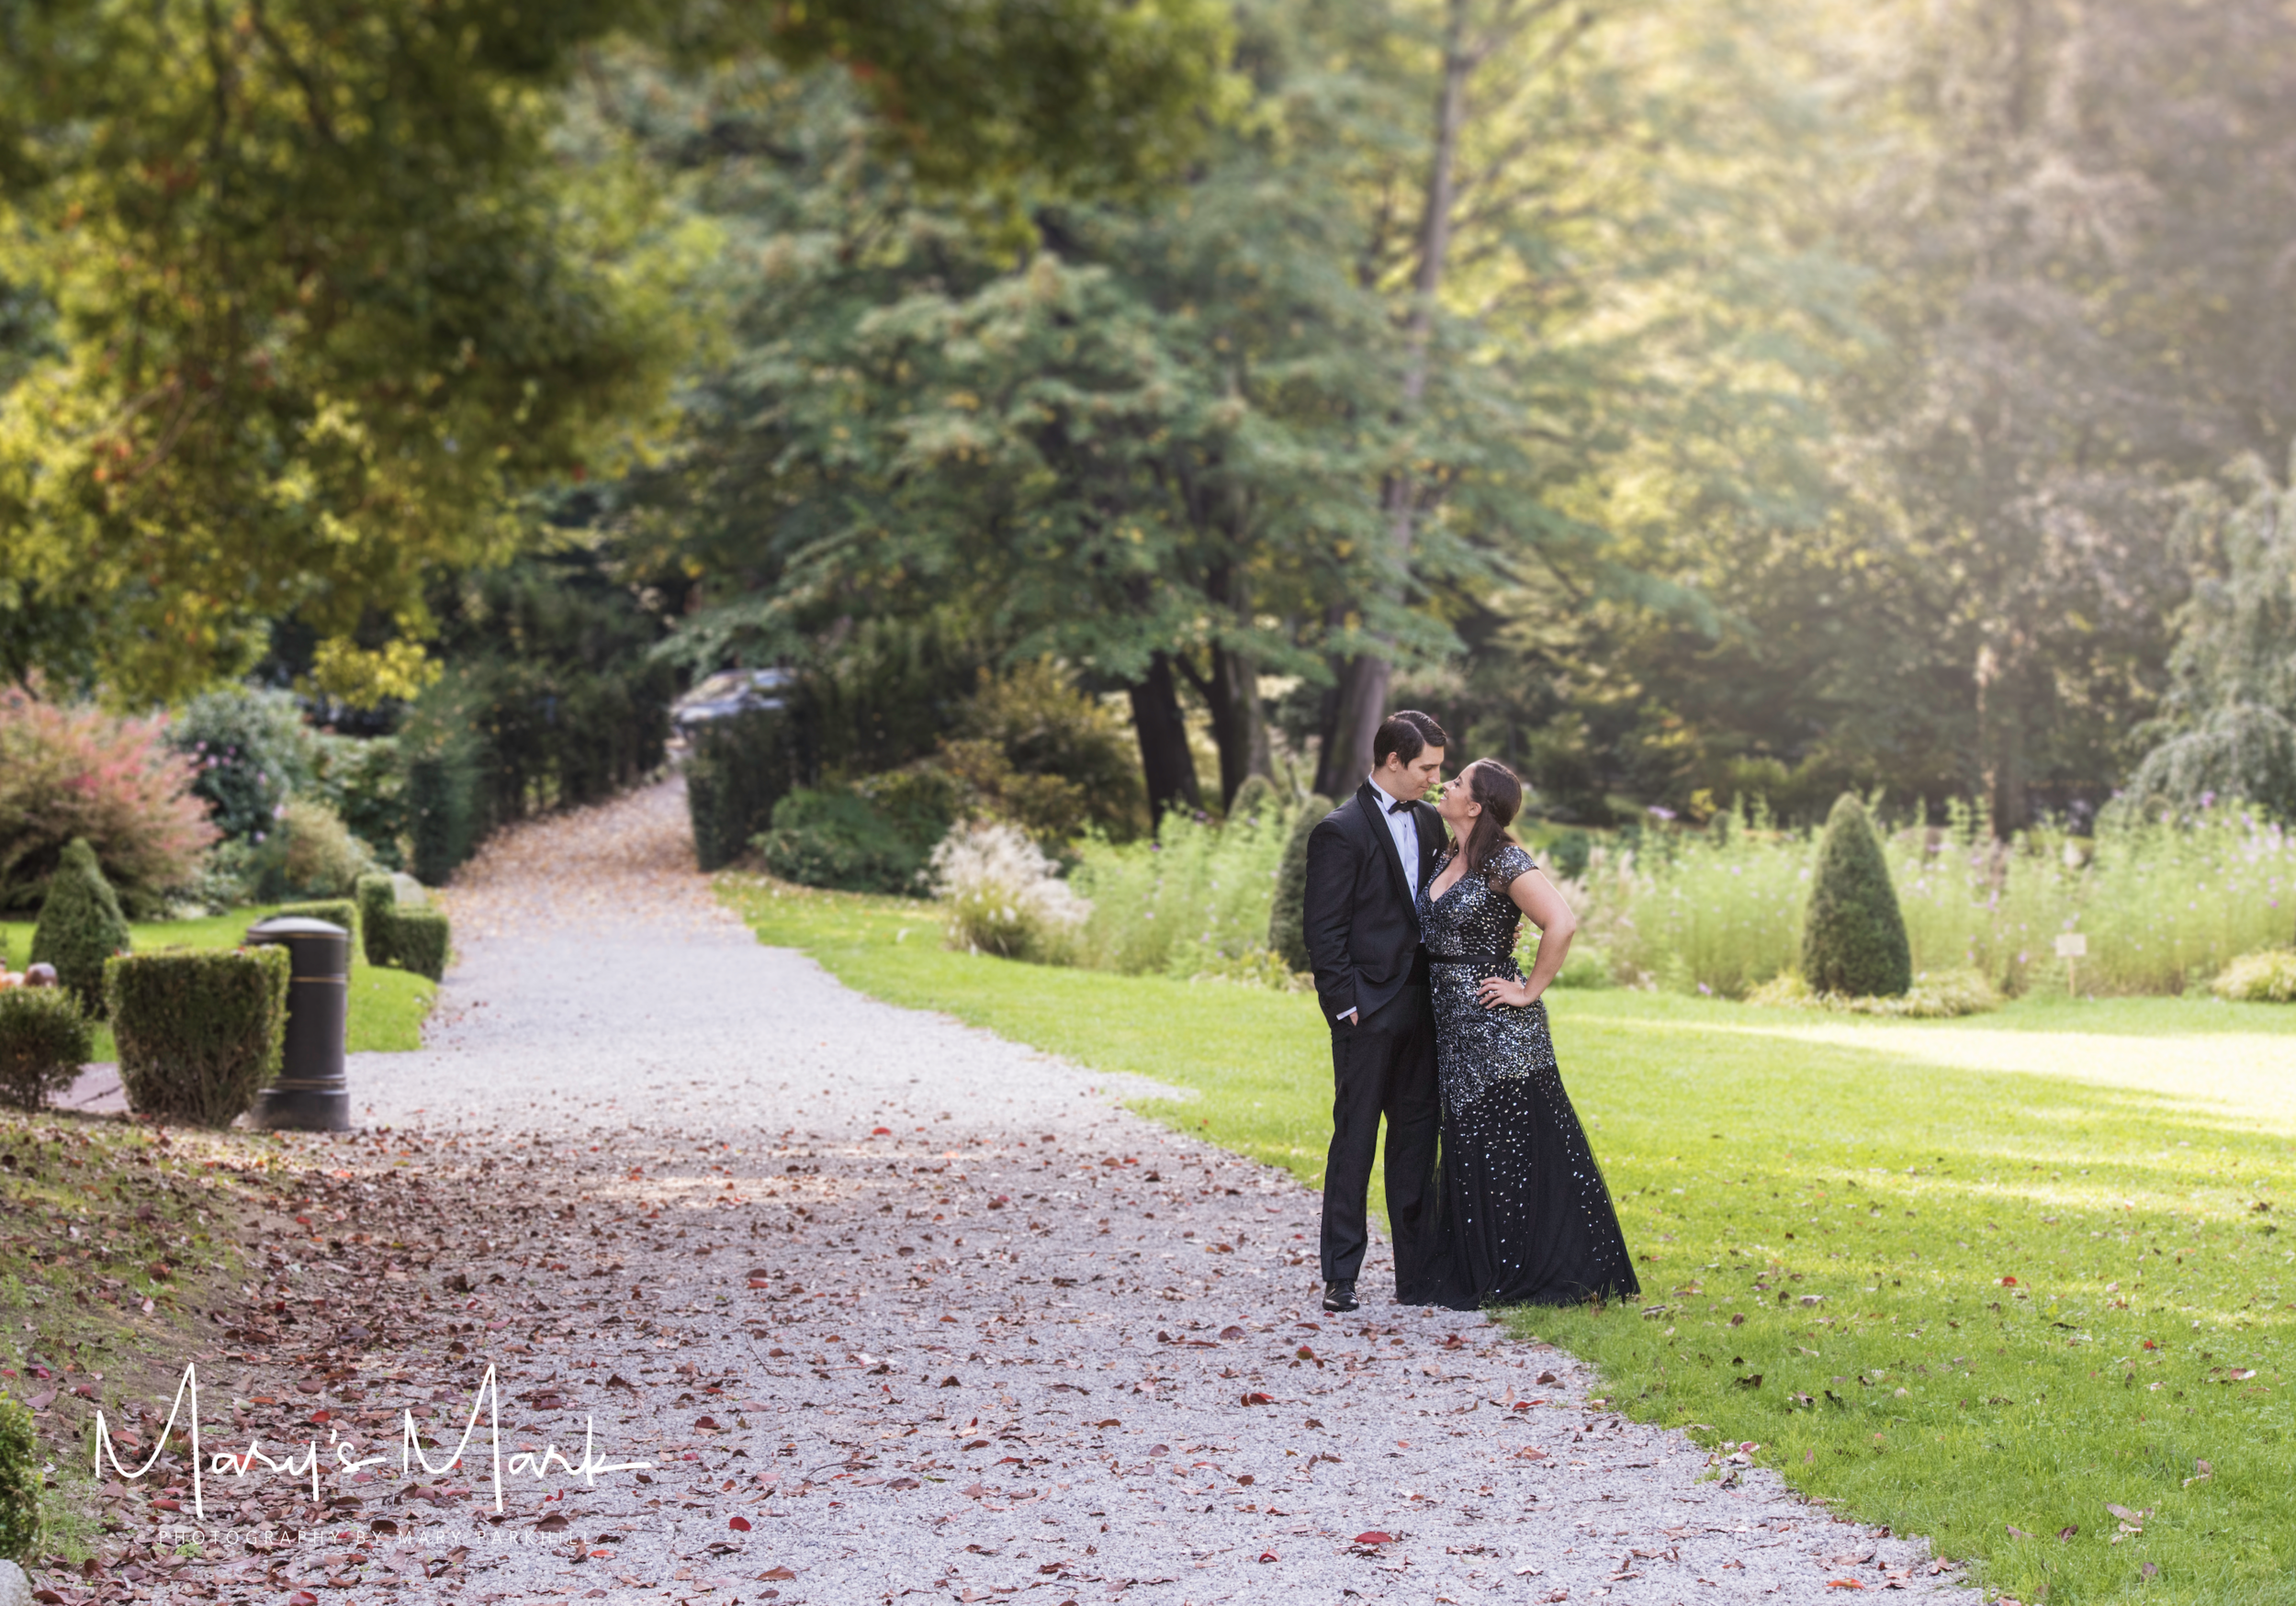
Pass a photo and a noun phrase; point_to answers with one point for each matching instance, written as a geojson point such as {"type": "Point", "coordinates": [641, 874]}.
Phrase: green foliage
{"type": "Point", "coordinates": [1287, 914]}
{"type": "Point", "coordinates": [342, 911]}
{"type": "Point", "coordinates": [81, 926]}
{"type": "Point", "coordinates": [739, 770]}
{"type": "Point", "coordinates": [20, 1460]}
{"type": "Point", "coordinates": [1194, 901]}
{"type": "Point", "coordinates": [360, 778]}
{"type": "Point", "coordinates": [377, 902]}
{"type": "Point", "coordinates": [1853, 939]}
{"type": "Point", "coordinates": [442, 751]}
{"type": "Point", "coordinates": [1256, 797]}
{"type": "Point", "coordinates": [2259, 977]}
{"type": "Point", "coordinates": [1078, 93]}
{"type": "Point", "coordinates": [69, 770]}
{"type": "Point", "coordinates": [44, 1040]}
{"type": "Point", "coordinates": [309, 854]}
{"type": "Point", "coordinates": [252, 751]}
{"type": "Point", "coordinates": [198, 1031]}
{"type": "Point", "coordinates": [1035, 750]}
{"type": "Point", "coordinates": [415, 939]}
{"type": "Point", "coordinates": [841, 839]}
{"type": "Point", "coordinates": [2229, 725]}
{"type": "Point", "coordinates": [419, 941]}
{"type": "Point", "coordinates": [921, 801]}
{"type": "Point", "coordinates": [303, 372]}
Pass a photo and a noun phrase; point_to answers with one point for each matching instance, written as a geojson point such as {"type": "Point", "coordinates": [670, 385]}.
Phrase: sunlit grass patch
{"type": "Point", "coordinates": [1974, 1299]}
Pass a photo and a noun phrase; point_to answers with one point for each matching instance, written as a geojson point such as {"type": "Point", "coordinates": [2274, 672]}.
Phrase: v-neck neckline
{"type": "Point", "coordinates": [1435, 897]}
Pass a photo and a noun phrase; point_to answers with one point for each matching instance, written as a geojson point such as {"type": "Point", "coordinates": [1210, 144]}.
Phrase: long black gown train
{"type": "Point", "coordinates": [1522, 1215]}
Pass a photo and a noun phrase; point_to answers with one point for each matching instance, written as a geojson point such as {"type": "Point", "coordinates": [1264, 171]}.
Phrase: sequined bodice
{"type": "Point", "coordinates": [1470, 917]}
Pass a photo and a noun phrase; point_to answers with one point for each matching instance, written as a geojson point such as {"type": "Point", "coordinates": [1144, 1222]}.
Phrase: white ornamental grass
{"type": "Point", "coordinates": [1005, 897]}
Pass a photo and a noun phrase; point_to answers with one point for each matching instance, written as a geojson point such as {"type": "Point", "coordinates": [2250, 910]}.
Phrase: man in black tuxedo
{"type": "Point", "coordinates": [1367, 861]}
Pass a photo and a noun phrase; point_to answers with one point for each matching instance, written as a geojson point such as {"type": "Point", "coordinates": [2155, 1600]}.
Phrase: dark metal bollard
{"type": "Point", "coordinates": [310, 1095]}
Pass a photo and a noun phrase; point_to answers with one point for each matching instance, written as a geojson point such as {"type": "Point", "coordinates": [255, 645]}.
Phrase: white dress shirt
{"type": "Point", "coordinates": [1404, 828]}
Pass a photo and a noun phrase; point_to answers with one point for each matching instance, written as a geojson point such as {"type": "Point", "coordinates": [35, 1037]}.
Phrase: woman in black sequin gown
{"type": "Point", "coordinates": [1522, 1214]}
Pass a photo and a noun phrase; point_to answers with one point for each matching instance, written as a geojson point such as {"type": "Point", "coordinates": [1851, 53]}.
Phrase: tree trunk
{"type": "Point", "coordinates": [1165, 758]}
{"type": "Point", "coordinates": [1362, 704]}
{"type": "Point", "coordinates": [1364, 682]}
{"type": "Point", "coordinates": [2001, 746]}
{"type": "Point", "coordinates": [1238, 725]}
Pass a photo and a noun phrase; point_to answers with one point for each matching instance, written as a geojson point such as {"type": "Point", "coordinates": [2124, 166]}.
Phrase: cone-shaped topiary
{"type": "Point", "coordinates": [1287, 921]}
{"type": "Point", "coordinates": [1853, 938]}
{"type": "Point", "coordinates": [80, 925]}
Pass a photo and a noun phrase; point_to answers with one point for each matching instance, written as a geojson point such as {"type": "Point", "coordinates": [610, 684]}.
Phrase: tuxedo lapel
{"type": "Point", "coordinates": [1373, 803]}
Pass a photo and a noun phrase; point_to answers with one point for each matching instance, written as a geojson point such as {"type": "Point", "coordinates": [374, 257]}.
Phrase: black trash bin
{"type": "Point", "coordinates": [310, 1095]}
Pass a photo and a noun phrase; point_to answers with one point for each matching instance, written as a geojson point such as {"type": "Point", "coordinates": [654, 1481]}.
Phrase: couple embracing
{"type": "Point", "coordinates": [1412, 915]}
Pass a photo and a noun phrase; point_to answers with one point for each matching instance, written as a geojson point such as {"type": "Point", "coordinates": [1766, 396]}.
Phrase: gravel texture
{"type": "Point", "coordinates": [898, 1308]}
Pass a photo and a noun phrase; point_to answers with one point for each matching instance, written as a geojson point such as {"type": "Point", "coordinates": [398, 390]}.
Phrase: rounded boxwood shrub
{"type": "Point", "coordinates": [80, 923]}
{"type": "Point", "coordinates": [44, 1041]}
{"type": "Point", "coordinates": [1853, 938]}
{"type": "Point", "coordinates": [198, 1030]}
{"type": "Point", "coordinates": [841, 840]}
{"type": "Point", "coordinates": [1286, 919]}
{"type": "Point", "coordinates": [19, 1481]}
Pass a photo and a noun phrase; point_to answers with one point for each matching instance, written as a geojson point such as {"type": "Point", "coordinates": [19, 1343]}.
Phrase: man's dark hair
{"type": "Point", "coordinates": [1407, 732]}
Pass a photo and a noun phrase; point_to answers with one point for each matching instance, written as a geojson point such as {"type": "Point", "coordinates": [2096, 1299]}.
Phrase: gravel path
{"type": "Point", "coordinates": [899, 1309]}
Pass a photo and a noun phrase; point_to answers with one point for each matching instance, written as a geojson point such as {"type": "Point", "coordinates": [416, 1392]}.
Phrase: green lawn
{"type": "Point", "coordinates": [1828, 1213]}
{"type": "Point", "coordinates": [388, 1007]}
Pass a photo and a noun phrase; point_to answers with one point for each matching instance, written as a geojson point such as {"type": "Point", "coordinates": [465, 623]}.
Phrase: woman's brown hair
{"type": "Point", "coordinates": [1499, 791]}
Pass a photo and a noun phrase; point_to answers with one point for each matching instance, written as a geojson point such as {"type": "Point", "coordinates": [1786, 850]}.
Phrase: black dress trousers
{"type": "Point", "coordinates": [1384, 1067]}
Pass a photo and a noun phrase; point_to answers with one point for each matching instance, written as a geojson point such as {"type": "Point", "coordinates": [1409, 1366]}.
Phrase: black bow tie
{"type": "Point", "coordinates": [1400, 806]}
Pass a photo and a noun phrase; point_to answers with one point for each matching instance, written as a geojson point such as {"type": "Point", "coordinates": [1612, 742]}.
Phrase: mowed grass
{"type": "Point", "coordinates": [388, 1007]}
{"type": "Point", "coordinates": [1827, 1214]}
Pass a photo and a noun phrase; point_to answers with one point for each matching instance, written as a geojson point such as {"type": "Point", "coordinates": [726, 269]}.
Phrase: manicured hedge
{"type": "Point", "coordinates": [44, 1041]}
{"type": "Point", "coordinates": [200, 1031]}
{"type": "Point", "coordinates": [740, 767]}
{"type": "Point", "coordinates": [377, 900]}
{"type": "Point", "coordinates": [341, 912]}
{"type": "Point", "coordinates": [20, 1460]}
{"type": "Point", "coordinates": [80, 923]}
{"type": "Point", "coordinates": [409, 939]}
{"type": "Point", "coordinates": [419, 942]}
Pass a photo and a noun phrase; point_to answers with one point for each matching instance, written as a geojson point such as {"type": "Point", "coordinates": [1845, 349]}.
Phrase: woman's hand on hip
{"type": "Point", "coordinates": [1499, 991]}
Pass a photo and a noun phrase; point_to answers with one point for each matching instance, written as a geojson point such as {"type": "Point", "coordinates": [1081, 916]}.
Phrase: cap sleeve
{"type": "Point", "coordinates": [1507, 864]}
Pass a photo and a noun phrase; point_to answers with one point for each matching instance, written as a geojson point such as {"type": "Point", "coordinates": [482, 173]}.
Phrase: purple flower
{"type": "Point", "coordinates": [1661, 812]}
{"type": "Point", "coordinates": [256, 837]}
{"type": "Point", "coordinates": [278, 811]}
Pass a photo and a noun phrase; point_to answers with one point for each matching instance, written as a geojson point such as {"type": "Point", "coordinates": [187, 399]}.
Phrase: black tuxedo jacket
{"type": "Point", "coordinates": [1363, 935]}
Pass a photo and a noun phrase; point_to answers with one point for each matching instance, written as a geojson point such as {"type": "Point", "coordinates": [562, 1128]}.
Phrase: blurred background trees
{"type": "Point", "coordinates": [1684, 402]}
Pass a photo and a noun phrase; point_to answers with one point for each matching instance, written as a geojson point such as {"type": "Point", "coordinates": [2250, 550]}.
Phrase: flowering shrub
{"type": "Point", "coordinates": [1005, 897]}
{"type": "Point", "coordinates": [68, 772]}
{"type": "Point", "coordinates": [251, 750]}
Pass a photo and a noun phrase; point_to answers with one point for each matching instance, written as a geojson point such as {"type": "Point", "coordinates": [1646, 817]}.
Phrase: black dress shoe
{"type": "Point", "coordinates": [1339, 1298]}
